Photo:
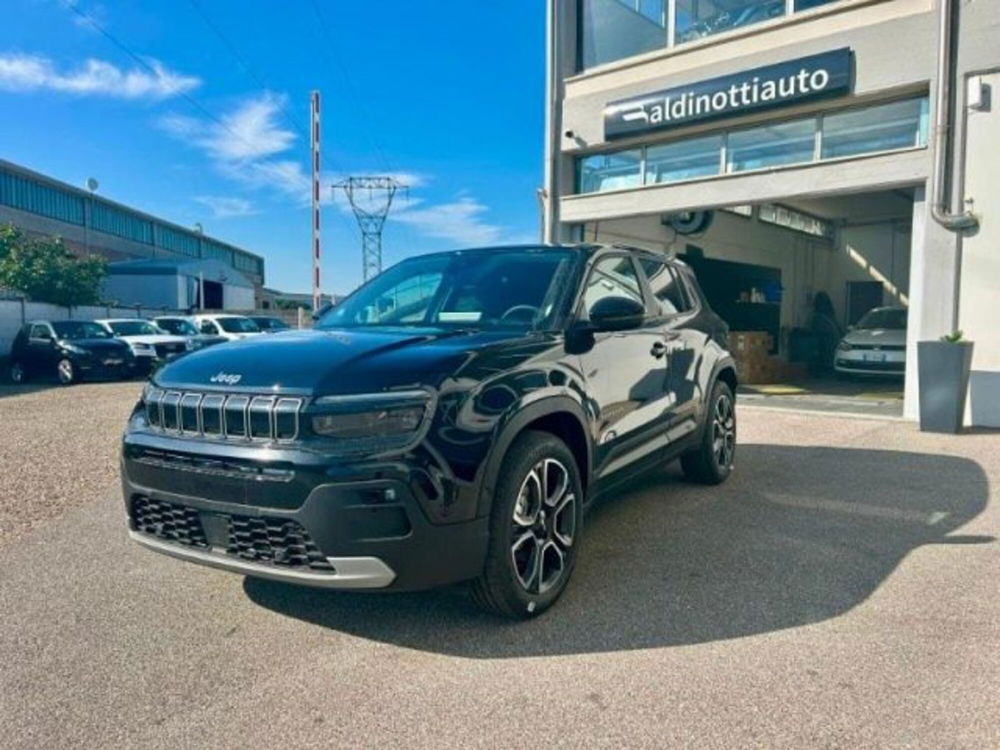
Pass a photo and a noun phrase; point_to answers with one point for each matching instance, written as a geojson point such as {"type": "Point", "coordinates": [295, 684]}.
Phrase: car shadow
{"type": "Point", "coordinates": [797, 536]}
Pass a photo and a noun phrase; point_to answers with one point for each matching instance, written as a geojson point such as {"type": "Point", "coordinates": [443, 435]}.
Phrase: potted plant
{"type": "Point", "coordinates": [943, 369]}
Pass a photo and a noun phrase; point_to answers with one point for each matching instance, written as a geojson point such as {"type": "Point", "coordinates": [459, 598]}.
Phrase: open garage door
{"type": "Point", "coordinates": [815, 293]}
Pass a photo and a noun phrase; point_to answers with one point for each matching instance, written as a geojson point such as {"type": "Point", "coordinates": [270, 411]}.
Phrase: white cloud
{"type": "Point", "coordinates": [460, 221]}
{"type": "Point", "coordinates": [20, 72]}
{"type": "Point", "coordinates": [252, 150]}
{"type": "Point", "coordinates": [226, 207]}
{"type": "Point", "coordinates": [251, 131]}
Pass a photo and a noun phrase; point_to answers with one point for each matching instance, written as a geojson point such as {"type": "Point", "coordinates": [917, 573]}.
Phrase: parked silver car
{"type": "Point", "coordinates": [876, 345]}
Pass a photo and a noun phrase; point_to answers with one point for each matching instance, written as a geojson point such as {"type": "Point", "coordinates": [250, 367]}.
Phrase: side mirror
{"type": "Point", "coordinates": [322, 311]}
{"type": "Point", "coordinates": [617, 314]}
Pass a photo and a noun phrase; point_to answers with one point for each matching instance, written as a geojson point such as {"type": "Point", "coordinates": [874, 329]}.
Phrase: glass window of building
{"type": "Point", "coordinates": [809, 4]}
{"type": "Point", "coordinates": [614, 29]}
{"type": "Point", "coordinates": [880, 128]}
{"type": "Point", "coordinates": [616, 171]}
{"type": "Point", "coordinates": [683, 160]}
{"type": "Point", "coordinates": [700, 18]}
{"type": "Point", "coordinates": [771, 145]}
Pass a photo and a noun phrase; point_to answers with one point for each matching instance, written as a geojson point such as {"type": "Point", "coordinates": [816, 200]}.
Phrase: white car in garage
{"type": "Point", "coordinates": [230, 327]}
{"type": "Point", "coordinates": [876, 345]}
{"type": "Point", "coordinates": [149, 343]}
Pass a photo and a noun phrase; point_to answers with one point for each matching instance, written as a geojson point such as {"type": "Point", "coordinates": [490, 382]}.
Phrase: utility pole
{"type": "Point", "coordinates": [317, 298]}
{"type": "Point", "coordinates": [371, 215]}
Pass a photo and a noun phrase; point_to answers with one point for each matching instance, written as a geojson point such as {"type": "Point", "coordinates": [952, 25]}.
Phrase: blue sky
{"type": "Point", "coordinates": [446, 94]}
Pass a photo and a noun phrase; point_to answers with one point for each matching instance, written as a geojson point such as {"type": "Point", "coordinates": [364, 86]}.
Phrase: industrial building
{"type": "Point", "coordinates": [794, 152]}
{"type": "Point", "coordinates": [152, 262]}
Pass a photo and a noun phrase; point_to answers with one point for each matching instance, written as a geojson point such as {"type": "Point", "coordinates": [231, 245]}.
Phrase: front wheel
{"type": "Point", "coordinates": [18, 373]}
{"type": "Point", "coordinates": [66, 371]}
{"type": "Point", "coordinates": [713, 460]}
{"type": "Point", "coordinates": [535, 528]}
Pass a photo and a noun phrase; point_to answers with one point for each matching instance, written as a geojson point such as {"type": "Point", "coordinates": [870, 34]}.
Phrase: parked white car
{"type": "Point", "coordinates": [231, 327]}
{"type": "Point", "coordinates": [149, 343]}
{"type": "Point", "coordinates": [876, 345]}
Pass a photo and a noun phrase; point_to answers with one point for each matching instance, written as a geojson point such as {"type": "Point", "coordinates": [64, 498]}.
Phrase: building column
{"type": "Point", "coordinates": [933, 277]}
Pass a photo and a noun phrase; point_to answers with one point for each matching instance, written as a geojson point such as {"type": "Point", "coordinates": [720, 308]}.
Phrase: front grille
{"type": "Point", "coordinates": [169, 522]}
{"type": "Point", "coordinates": [280, 542]}
{"type": "Point", "coordinates": [879, 347]}
{"type": "Point", "coordinates": [275, 541]}
{"type": "Point", "coordinates": [873, 366]}
{"type": "Point", "coordinates": [168, 350]}
{"type": "Point", "coordinates": [230, 417]}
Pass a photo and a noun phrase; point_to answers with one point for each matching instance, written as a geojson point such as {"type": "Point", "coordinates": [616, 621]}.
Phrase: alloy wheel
{"type": "Point", "coordinates": [724, 431]}
{"type": "Point", "coordinates": [544, 522]}
{"type": "Point", "coordinates": [65, 371]}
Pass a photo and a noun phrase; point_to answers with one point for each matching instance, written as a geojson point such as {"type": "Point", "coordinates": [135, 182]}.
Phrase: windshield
{"type": "Point", "coordinates": [270, 324]}
{"type": "Point", "coordinates": [893, 318]}
{"type": "Point", "coordinates": [79, 329]}
{"type": "Point", "coordinates": [238, 325]}
{"type": "Point", "coordinates": [134, 328]}
{"type": "Point", "coordinates": [177, 326]}
{"type": "Point", "coordinates": [515, 288]}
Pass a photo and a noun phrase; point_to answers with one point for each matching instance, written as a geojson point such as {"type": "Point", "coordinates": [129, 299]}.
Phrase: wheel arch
{"type": "Point", "coordinates": [558, 415]}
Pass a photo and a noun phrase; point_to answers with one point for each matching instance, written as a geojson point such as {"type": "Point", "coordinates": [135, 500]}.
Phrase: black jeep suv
{"type": "Point", "coordinates": [449, 421]}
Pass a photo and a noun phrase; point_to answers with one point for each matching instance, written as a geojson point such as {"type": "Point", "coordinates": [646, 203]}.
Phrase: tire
{"type": "Point", "coordinates": [66, 371]}
{"type": "Point", "coordinates": [535, 530]}
{"type": "Point", "coordinates": [17, 372]}
{"type": "Point", "coordinates": [713, 460]}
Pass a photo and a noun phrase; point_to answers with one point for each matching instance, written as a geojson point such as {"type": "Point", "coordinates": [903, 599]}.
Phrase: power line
{"type": "Point", "coordinates": [333, 55]}
{"type": "Point", "coordinates": [149, 68]}
{"type": "Point", "coordinates": [249, 70]}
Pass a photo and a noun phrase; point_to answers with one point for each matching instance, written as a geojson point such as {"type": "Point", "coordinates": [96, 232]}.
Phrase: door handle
{"type": "Point", "coordinates": [659, 350]}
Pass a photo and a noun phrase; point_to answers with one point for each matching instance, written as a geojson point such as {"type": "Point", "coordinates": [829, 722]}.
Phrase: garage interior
{"type": "Point", "coordinates": [791, 278]}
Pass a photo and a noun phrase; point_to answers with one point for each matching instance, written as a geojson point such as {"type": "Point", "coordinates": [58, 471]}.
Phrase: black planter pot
{"type": "Point", "coordinates": [943, 369]}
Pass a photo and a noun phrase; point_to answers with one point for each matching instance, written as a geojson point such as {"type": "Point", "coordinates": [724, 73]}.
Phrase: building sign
{"type": "Point", "coordinates": [790, 82]}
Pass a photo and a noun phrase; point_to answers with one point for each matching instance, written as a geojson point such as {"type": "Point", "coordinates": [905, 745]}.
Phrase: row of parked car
{"type": "Point", "coordinates": [120, 348]}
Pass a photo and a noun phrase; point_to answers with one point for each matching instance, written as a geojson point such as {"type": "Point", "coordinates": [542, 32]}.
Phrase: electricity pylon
{"type": "Point", "coordinates": [371, 215]}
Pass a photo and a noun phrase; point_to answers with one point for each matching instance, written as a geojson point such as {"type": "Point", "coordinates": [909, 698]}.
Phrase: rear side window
{"type": "Point", "coordinates": [208, 326]}
{"type": "Point", "coordinates": [666, 285]}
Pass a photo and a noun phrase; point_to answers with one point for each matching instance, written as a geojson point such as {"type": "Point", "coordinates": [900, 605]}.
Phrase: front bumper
{"type": "Point", "coordinates": [348, 572]}
{"type": "Point", "coordinates": [255, 508]}
{"type": "Point", "coordinates": [870, 362]}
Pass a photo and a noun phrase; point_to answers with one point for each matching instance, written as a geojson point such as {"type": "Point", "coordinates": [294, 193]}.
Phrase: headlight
{"type": "Point", "coordinates": [73, 349]}
{"type": "Point", "coordinates": [142, 347]}
{"type": "Point", "coordinates": [843, 346]}
{"type": "Point", "coordinates": [396, 417]}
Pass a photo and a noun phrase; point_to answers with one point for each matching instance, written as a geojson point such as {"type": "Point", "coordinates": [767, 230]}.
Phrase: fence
{"type": "Point", "coordinates": [14, 313]}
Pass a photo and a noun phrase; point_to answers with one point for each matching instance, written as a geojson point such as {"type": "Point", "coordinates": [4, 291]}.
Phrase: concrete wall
{"type": "Point", "coordinates": [979, 297]}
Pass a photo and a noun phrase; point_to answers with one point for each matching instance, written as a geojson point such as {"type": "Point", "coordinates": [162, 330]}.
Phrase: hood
{"type": "Point", "coordinates": [876, 337]}
{"type": "Point", "coordinates": [154, 339]}
{"type": "Point", "coordinates": [330, 361]}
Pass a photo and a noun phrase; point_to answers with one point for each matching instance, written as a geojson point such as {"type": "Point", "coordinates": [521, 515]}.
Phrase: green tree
{"type": "Point", "coordinates": [46, 271]}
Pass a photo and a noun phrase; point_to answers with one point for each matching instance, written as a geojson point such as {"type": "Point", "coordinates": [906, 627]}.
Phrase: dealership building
{"type": "Point", "coordinates": [152, 262]}
{"type": "Point", "coordinates": [804, 156]}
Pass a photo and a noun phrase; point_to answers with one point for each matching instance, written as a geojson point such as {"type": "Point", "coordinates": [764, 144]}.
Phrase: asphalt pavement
{"type": "Point", "coordinates": [841, 590]}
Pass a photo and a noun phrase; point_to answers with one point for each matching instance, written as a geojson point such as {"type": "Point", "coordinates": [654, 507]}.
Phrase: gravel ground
{"type": "Point", "coordinates": [840, 590]}
{"type": "Point", "coordinates": [59, 449]}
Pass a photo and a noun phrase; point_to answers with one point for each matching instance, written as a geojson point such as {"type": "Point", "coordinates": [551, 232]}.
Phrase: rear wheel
{"type": "Point", "coordinates": [18, 374]}
{"type": "Point", "coordinates": [66, 371]}
{"type": "Point", "coordinates": [713, 460]}
{"type": "Point", "coordinates": [535, 528]}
